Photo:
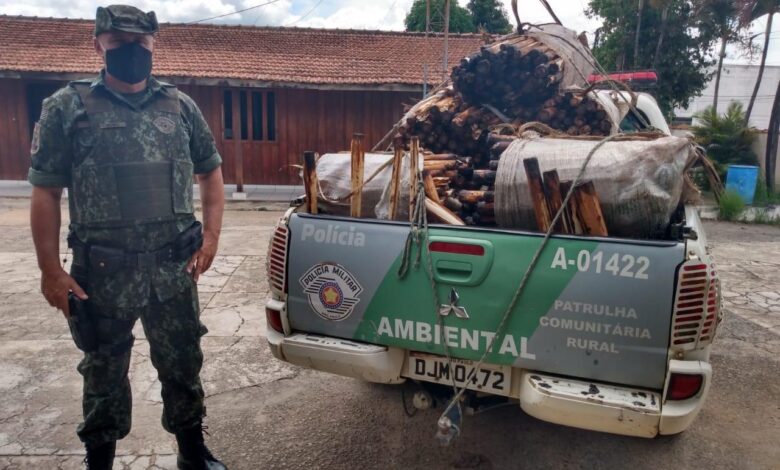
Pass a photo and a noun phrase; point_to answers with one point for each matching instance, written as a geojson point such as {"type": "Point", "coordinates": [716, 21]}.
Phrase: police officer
{"type": "Point", "coordinates": [126, 146]}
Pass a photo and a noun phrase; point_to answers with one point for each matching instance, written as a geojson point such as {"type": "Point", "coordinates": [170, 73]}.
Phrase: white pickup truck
{"type": "Point", "coordinates": [612, 334]}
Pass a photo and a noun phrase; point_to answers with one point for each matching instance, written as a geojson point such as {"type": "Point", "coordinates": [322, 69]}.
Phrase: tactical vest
{"type": "Point", "coordinates": [129, 166]}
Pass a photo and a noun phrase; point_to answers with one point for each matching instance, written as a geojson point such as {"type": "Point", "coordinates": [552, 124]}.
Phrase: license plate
{"type": "Point", "coordinates": [489, 378]}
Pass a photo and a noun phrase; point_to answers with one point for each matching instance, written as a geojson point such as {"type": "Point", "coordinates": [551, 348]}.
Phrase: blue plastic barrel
{"type": "Point", "coordinates": [742, 180]}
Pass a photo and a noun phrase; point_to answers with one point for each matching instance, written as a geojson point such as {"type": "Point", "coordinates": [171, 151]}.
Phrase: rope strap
{"type": "Point", "coordinates": [526, 276]}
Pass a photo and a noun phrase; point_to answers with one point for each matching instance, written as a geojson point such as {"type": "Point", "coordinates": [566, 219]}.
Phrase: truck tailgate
{"type": "Point", "coordinates": [599, 309]}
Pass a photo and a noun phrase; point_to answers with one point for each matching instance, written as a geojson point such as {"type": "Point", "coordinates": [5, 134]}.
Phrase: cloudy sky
{"type": "Point", "coordinates": [357, 14]}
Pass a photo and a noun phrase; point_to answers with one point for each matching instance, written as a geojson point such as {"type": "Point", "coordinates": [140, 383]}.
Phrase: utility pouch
{"type": "Point", "coordinates": [82, 325]}
{"type": "Point", "coordinates": [188, 242]}
{"type": "Point", "coordinates": [104, 260]}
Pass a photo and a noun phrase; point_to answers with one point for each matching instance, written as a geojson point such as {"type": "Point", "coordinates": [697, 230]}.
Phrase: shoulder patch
{"type": "Point", "coordinates": [36, 138]}
{"type": "Point", "coordinates": [44, 113]}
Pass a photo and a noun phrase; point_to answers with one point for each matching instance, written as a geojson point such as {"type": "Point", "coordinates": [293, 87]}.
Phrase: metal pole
{"type": "Point", "coordinates": [427, 45]}
{"type": "Point", "coordinates": [427, 17]}
{"type": "Point", "coordinates": [446, 39]}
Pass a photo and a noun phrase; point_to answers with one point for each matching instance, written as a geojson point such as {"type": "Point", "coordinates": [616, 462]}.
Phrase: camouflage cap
{"type": "Point", "coordinates": [125, 18]}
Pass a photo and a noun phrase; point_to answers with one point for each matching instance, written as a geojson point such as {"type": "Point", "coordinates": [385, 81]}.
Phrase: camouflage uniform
{"type": "Point", "coordinates": [80, 150]}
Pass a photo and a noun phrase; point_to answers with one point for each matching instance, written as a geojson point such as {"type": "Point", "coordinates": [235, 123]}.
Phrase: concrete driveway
{"type": "Point", "coordinates": [265, 414]}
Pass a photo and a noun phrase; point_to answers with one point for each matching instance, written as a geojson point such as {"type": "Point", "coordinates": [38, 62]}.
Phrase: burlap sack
{"type": "Point", "coordinates": [638, 182]}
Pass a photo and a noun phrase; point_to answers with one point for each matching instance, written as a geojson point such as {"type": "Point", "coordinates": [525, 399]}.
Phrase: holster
{"type": "Point", "coordinates": [92, 333]}
{"type": "Point", "coordinates": [188, 241]}
{"type": "Point", "coordinates": [82, 326]}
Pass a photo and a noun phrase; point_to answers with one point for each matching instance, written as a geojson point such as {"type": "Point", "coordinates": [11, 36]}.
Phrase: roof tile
{"type": "Point", "coordinates": [273, 54]}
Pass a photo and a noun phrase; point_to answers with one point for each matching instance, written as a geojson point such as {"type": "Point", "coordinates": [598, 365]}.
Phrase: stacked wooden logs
{"type": "Point", "coordinates": [515, 81]}
{"type": "Point", "coordinates": [446, 124]}
{"type": "Point", "coordinates": [574, 114]}
{"type": "Point", "coordinates": [521, 79]}
{"type": "Point", "coordinates": [473, 189]}
{"type": "Point", "coordinates": [473, 206]}
{"type": "Point", "coordinates": [515, 76]}
{"type": "Point", "coordinates": [443, 170]}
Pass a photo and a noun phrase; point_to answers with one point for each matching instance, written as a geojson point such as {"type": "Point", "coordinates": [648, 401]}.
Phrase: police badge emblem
{"type": "Point", "coordinates": [332, 291]}
{"type": "Point", "coordinates": [164, 125]}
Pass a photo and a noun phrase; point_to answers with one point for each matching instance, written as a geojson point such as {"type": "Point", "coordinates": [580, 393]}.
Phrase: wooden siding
{"type": "Point", "coordinates": [14, 130]}
{"type": "Point", "coordinates": [318, 120]}
{"type": "Point", "coordinates": [322, 121]}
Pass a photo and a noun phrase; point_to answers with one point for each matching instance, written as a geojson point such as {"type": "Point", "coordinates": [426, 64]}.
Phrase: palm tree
{"type": "Point", "coordinates": [772, 142]}
{"type": "Point", "coordinates": [752, 10]}
{"type": "Point", "coordinates": [722, 17]}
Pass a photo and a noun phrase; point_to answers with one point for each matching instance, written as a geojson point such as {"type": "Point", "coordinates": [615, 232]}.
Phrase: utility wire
{"type": "Point", "coordinates": [307, 14]}
{"type": "Point", "coordinates": [234, 12]}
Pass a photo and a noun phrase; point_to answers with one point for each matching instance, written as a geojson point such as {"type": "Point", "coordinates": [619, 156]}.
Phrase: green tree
{"type": "Point", "coordinates": [683, 61]}
{"type": "Point", "coordinates": [460, 18]}
{"type": "Point", "coordinates": [489, 15]}
{"type": "Point", "coordinates": [725, 137]}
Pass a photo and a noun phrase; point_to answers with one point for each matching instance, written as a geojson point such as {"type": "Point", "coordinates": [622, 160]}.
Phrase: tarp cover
{"type": "Point", "coordinates": [639, 182]}
{"type": "Point", "coordinates": [578, 59]}
{"type": "Point", "coordinates": [334, 172]}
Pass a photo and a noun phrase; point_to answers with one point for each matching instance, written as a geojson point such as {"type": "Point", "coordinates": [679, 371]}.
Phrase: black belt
{"type": "Point", "coordinates": [108, 260]}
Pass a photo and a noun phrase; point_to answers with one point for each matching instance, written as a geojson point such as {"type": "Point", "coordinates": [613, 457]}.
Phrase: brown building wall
{"type": "Point", "coordinates": [318, 120]}
{"type": "Point", "coordinates": [14, 131]}
{"type": "Point", "coordinates": [306, 119]}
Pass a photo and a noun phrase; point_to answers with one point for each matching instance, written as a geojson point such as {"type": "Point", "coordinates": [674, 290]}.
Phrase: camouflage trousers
{"type": "Point", "coordinates": [173, 330]}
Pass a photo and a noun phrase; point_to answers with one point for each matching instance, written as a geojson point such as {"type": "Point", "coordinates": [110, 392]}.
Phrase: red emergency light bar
{"type": "Point", "coordinates": [647, 77]}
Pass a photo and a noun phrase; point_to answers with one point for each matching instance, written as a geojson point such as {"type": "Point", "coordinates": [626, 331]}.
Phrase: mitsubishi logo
{"type": "Point", "coordinates": [460, 312]}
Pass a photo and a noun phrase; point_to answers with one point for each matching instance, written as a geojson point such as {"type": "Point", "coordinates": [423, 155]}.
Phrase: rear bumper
{"type": "Point", "coordinates": [586, 405]}
{"type": "Point", "coordinates": [610, 408]}
{"type": "Point", "coordinates": [592, 406]}
{"type": "Point", "coordinates": [338, 356]}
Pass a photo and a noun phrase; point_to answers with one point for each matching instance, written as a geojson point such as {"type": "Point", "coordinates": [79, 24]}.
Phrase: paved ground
{"type": "Point", "coordinates": [265, 414]}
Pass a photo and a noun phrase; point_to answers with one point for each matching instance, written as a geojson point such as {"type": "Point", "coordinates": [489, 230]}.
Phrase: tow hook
{"type": "Point", "coordinates": [422, 400]}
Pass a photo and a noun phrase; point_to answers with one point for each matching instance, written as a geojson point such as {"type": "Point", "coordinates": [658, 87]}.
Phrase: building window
{"type": "Point", "coordinates": [270, 100]}
{"type": "Point", "coordinates": [260, 106]}
{"type": "Point", "coordinates": [227, 114]}
{"type": "Point", "coordinates": [243, 110]}
{"type": "Point", "coordinates": [257, 115]}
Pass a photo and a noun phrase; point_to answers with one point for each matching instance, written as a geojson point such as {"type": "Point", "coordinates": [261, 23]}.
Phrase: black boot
{"type": "Point", "coordinates": [193, 453]}
{"type": "Point", "coordinates": [100, 457]}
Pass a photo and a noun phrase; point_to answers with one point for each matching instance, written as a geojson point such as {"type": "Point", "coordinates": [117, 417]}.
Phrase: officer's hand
{"type": "Point", "coordinates": [55, 286]}
{"type": "Point", "coordinates": [202, 259]}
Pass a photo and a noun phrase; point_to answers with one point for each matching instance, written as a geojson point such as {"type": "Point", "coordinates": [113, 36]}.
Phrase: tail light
{"type": "Point", "coordinates": [274, 319]}
{"type": "Point", "coordinates": [696, 305]}
{"type": "Point", "coordinates": [276, 261]}
{"type": "Point", "coordinates": [684, 386]}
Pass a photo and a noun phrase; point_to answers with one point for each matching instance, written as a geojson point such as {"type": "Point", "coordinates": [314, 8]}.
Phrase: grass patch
{"type": "Point", "coordinates": [765, 197]}
{"type": "Point", "coordinates": [761, 216]}
{"type": "Point", "coordinates": [731, 206]}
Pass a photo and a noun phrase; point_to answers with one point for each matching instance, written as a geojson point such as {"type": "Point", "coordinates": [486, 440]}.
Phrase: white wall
{"type": "Point", "coordinates": [736, 84]}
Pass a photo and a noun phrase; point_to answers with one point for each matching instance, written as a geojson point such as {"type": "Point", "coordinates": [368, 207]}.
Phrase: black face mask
{"type": "Point", "coordinates": [131, 62]}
